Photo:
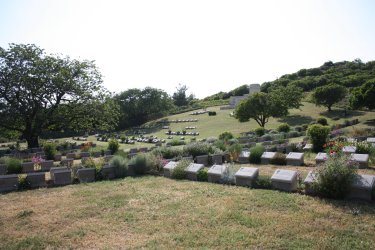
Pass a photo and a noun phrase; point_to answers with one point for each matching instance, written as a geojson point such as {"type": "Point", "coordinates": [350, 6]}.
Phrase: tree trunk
{"type": "Point", "coordinates": [329, 108]}
{"type": "Point", "coordinates": [32, 141]}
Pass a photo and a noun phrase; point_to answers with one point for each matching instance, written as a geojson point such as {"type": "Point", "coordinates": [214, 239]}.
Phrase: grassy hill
{"type": "Point", "coordinates": [156, 212]}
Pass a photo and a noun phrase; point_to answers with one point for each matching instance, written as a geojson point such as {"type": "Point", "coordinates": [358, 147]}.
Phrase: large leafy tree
{"type": "Point", "coordinates": [41, 92]}
{"type": "Point", "coordinates": [328, 95]}
{"type": "Point", "coordinates": [289, 96]}
{"type": "Point", "coordinates": [364, 96]}
{"type": "Point", "coordinates": [138, 106]}
{"type": "Point", "coordinates": [180, 97]}
{"type": "Point", "coordinates": [260, 107]}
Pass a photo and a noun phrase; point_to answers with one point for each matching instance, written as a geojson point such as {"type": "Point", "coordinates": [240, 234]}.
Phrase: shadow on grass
{"type": "Point", "coordinates": [295, 120]}
{"type": "Point", "coordinates": [342, 114]}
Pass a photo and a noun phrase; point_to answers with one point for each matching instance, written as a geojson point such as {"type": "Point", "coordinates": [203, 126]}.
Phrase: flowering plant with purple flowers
{"type": "Point", "coordinates": [37, 160]}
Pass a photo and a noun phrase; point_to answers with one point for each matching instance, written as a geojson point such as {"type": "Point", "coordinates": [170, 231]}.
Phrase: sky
{"type": "Point", "coordinates": [209, 46]}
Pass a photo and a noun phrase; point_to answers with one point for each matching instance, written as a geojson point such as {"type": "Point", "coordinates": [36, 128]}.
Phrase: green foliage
{"type": "Point", "coordinates": [328, 95]}
{"type": "Point", "coordinates": [113, 145]}
{"type": "Point", "coordinates": [364, 148]}
{"type": "Point", "coordinates": [278, 159]}
{"type": "Point", "coordinates": [256, 154]}
{"type": "Point", "coordinates": [23, 183]}
{"type": "Point", "coordinates": [179, 171]}
{"type": "Point", "coordinates": [322, 121]}
{"type": "Point", "coordinates": [225, 136]}
{"type": "Point", "coordinates": [168, 152]}
{"type": "Point", "coordinates": [143, 163]}
{"type": "Point", "coordinates": [212, 113]}
{"type": "Point", "coordinates": [318, 136]}
{"type": "Point", "coordinates": [283, 127]}
{"type": "Point", "coordinates": [176, 142]}
{"type": "Point", "coordinates": [335, 177]}
{"type": "Point", "coordinates": [234, 151]}
{"type": "Point", "coordinates": [364, 96]}
{"type": "Point", "coordinates": [13, 166]}
{"type": "Point", "coordinates": [260, 131]}
{"type": "Point", "coordinates": [220, 144]}
{"type": "Point", "coordinates": [49, 150]}
{"type": "Point", "coordinates": [263, 182]}
{"type": "Point", "coordinates": [42, 90]}
{"type": "Point", "coordinates": [198, 148]}
{"type": "Point", "coordinates": [180, 97]}
{"type": "Point", "coordinates": [290, 96]}
{"type": "Point", "coordinates": [120, 164]}
{"type": "Point", "coordinates": [260, 107]}
{"type": "Point", "coordinates": [202, 174]}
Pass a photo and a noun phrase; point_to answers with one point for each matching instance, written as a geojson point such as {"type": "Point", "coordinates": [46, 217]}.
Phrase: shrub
{"type": "Point", "coordinates": [256, 154]}
{"type": "Point", "coordinates": [225, 136]}
{"type": "Point", "coordinates": [14, 166]}
{"type": "Point", "coordinates": [221, 145]}
{"type": "Point", "coordinates": [364, 148]}
{"type": "Point", "coordinates": [322, 121]}
{"type": "Point", "coordinates": [318, 135]}
{"type": "Point", "coordinates": [283, 127]}
{"type": "Point", "coordinates": [335, 177]}
{"type": "Point", "coordinates": [278, 159]}
{"type": "Point", "coordinates": [179, 171]}
{"type": "Point", "coordinates": [228, 173]}
{"type": "Point", "coordinates": [113, 145]}
{"type": "Point", "coordinates": [235, 151]}
{"type": "Point", "coordinates": [266, 137]}
{"type": "Point", "coordinates": [176, 142]}
{"type": "Point", "coordinates": [140, 164]}
{"type": "Point", "coordinates": [293, 134]}
{"type": "Point", "coordinates": [212, 113]}
{"type": "Point", "coordinates": [23, 183]}
{"type": "Point", "coordinates": [202, 174]}
{"type": "Point", "coordinates": [89, 163]}
{"type": "Point", "coordinates": [49, 150]}
{"type": "Point", "coordinates": [263, 182]}
{"type": "Point", "coordinates": [260, 131]}
{"type": "Point", "coordinates": [168, 153]}
{"type": "Point", "coordinates": [121, 166]}
{"type": "Point", "coordinates": [196, 149]}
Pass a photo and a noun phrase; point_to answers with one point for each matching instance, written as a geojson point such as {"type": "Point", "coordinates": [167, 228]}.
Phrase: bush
{"type": "Point", "coordinates": [318, 135]}
{"type": "Point", "coordinates": [260, 131]}
{"type": "Point", "coordinates": [121, 166]}
{"type": "Point", "coordinates": [283, 127]}
{"type": "Point", "coordinates": [113, 145]}
{"type": "Point", "coordinates": [179, 171]}
{"type": "Point", "coordinates": [266, 137]}
{"type": "Point", "coordinates": [256, 154]}
{"type": "Point", "coordinates": [140, 164]}
{"type": "Point", "coordinates": [225, 136]}
{"type": "Point", "coordinates": [293, 134]}
{"type": "Point", "coordinates": [335, 177]}
{"type": "Point", "coordinates": [234, 151]}
{"type": "Point", "coordinates": [23, 183]}
{"type": "Point", "coordinates": [211, 113]}
{"type": "Point", "coordinates": [263, 182]}
{"type": "Point", "coordinates": [49, 150]}
{"type": "Point", "coordinates": [202, 174]}
{"type": "Point", "coordinates": [364, 148]}
{"type": "Point", "coordinates": [278, 159]}
{"type": "Point", "coordinates": [14, 166]}
{"type": "Point", "coordinates": [221, 145]}
{"type": "Point", "coordinates": [176, 142]}
{"type": "Point", "coordinates": [168, 153]}
{"type": "Point", "coordinates": [196, 149]}
{"type": "Point", "coordinates": [322, 121]}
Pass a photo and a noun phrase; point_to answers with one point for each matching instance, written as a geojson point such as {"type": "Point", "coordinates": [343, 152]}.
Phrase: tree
{"type": "Point", "coordinates": [139, 106]}
{"type": "Point", "coordinates": [180, 98]}
{"type": "Point", "coordinates": [364, 96]}
{"type": "Point", "coordinates": [328, 95]}
{"type": "Point", "coordinates": [260, 107]}
{"type": "Point", "coordinates": [41, 92]}
{"type": "Point", "coordinates": [290, 96]}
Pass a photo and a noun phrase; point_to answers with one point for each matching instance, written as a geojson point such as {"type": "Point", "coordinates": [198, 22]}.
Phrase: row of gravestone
{"type": "Point", "coordinates": [284, 180]}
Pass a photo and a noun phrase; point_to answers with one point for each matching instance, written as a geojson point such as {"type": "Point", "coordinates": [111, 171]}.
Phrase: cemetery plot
{"type": "Point", "coordinates": [321, 158]}
{"type": "Point", "coordinates": [246, 176]}
{"type": "Point", "coordinates": [168, 168]}
{"type": "Point", "coordinates": [361, 159]}
{"type": "Point", "coordinates": [215, 172]}
{"type": "Point", "coordinates": [295, 159]}
{"type": "Point", "coordinates": [362, 187]}
{"type": "Point", "coordinates": [267, 157]}
{"type": "Point", "coordinates": [285, 180]}
{"type": "Point", "coordinates": [192, 171]}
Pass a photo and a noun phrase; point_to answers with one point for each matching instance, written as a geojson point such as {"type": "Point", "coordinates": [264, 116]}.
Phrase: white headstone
{"type": "Point", "coordinates": [194, 167]}
{"type": "Point", "coordinates": [247, 172]}
{"type": "Point", "coordinates": [170, 165]}
{"type": "Point", "coordinates": [216, 169]}
{"type": "Point", "coordinates": [349, 149]}
{"type": "Point", "coordinates": [286, 176]}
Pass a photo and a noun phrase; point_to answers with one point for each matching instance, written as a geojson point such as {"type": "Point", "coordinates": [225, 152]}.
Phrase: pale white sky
{"type": "Point", "coordinates": [210, 46]}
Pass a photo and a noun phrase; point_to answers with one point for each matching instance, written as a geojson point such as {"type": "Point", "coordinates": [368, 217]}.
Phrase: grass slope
{"type": "Point", "coordinates": [156, 212]}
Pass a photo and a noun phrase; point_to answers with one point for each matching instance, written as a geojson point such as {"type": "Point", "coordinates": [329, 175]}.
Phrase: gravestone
{"type": "Point", "coordinates": [320, 158]}
{"type": "Point", "coordinates": [57, 157]}
{"type": "Point", "coordinates": [217, 159]}
{"type": "Point", "coordinates": [68, 162]}
{"type": "Point", "coordinates": [246, 176]}
{"type": "Point", "coordinates": [285, 180]}
{"type": "Point", "coordinates": [85, 154]}
{"type": "Point", "coordinates": [370, 139]}
{"type": "Point", "coordinates": [96, 154]}
{"type": "Point", "coordinates": [202, 159]}
{"type": "Point", "coordinates": [362, 187]}
{"type": "Point", "coordinates": [243, 158]}
{"type": "Point", "coordinates": [267, 157]}
{"type": "Point", "coordinates": [349, 149]}
{"type": "Point", "coordinates": [8, 182]}
{"type": "Point", "coordinates": [144, 150]}
{"type": "Point", "coordinates": [3, 169]}
{"type": "Point", "coordinates": [131, 170]}
{"type": "Point", "coordinates": [107, 152]}
{"type": "Point", "coordinates": [309, 180]}
{"type": "Point", "coordinates": [192, 171]}
{"type": "Point", "coordinates": [46, 165]}
{"type": "Point", "coordinates": [86, 175]}
{"type": "Point", "coordinates": [307, 147]}
{"type": "Point", "coordinates": [71, 156]}
{"type": "Point", "coordinates": [361, 159]}
{"type": "Point", "coordinates": [107, 158]}
{"type": "Point", "coordinates": [133, 150]}
{"type": "Point", "coordinates": [295, 159]}
{"type": "Point", "coordinates": [168, 168]}
{"type": "Point", "coordinates": [62, 177]}
{"type": "Point", "coordinates": [215, 172]}
{"type": "Point", "coordinates": [54, 169]}
{"type": "Point", "coordinates": [84, 159]}
{"type": "Point", "coordinates": [36, 179]}
{"type": "Point", "coordinates": [27, 167]}
{"type": "Point", "coordinates": [108, 172]}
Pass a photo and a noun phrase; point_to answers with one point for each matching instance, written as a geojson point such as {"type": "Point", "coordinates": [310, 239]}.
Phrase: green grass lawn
{"type": "Point", "coordinates": [160, 213]}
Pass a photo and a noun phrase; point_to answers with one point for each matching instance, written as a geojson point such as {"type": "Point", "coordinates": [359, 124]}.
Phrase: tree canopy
{"type": "Point", "coordinates": [328, 95]}
{"type": "Point", "coordinates": [180, 97]}
{"type": "Point", "coordinates": [41, 92]}
{"type": "Point", "coordinates": [364, 96]}
{"type": "Point", "coordinates": [260, 107]}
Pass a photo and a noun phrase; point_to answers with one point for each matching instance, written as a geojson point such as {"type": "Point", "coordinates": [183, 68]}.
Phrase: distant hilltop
{"type": "Point", "coordinates": [235, 100]}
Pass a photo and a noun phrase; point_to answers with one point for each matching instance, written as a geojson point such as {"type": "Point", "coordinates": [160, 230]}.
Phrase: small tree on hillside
{"type": "Point", "coordinates": [180, 97]}
{"type": "Point", "coordinates": [260, 107]}
{"type": "Point", "coordinates": [328, 95]}
{"type": "Point", "coordinates": [364, 96]}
